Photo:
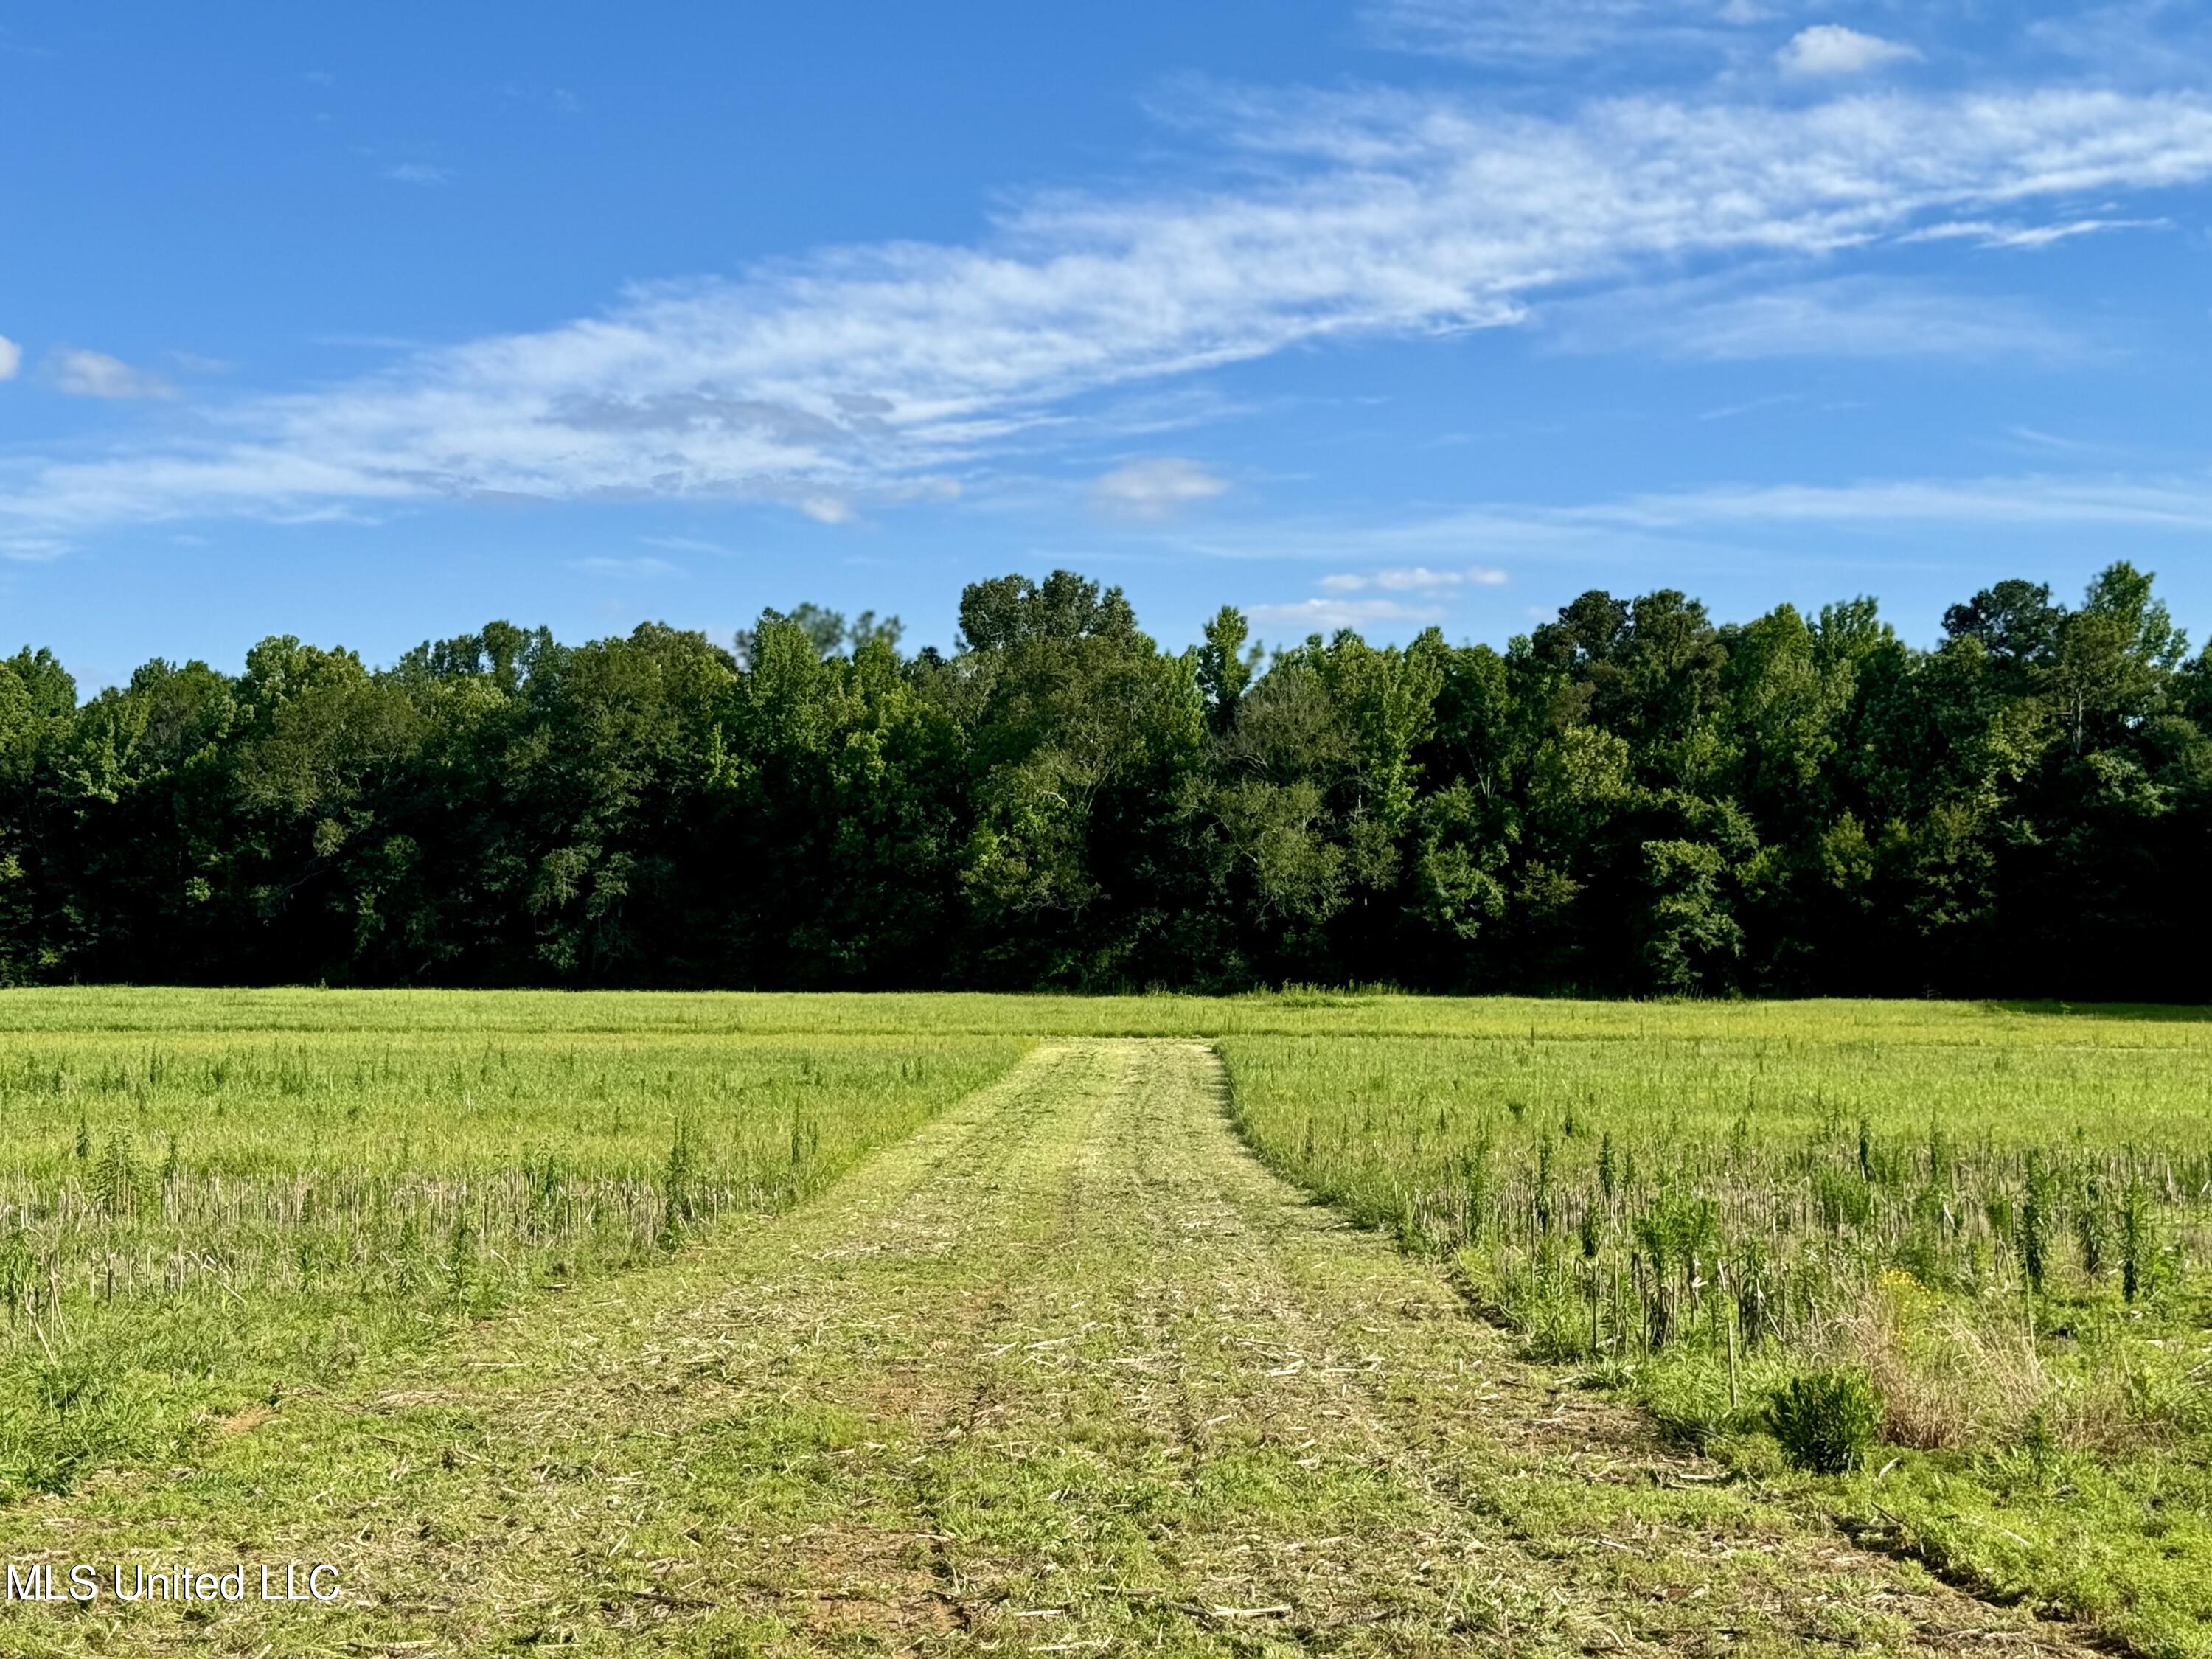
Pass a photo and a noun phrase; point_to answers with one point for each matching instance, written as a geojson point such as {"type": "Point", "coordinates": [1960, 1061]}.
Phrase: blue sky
{"type": "Point", "coordinates": [371, 324]}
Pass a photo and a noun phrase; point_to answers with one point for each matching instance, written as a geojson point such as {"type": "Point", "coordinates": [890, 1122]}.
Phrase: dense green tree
{"type": "Point", "coordinates": [1629, 800]}
{"type": "Point", "coordinates": [39, 922]}
{"type": "Point", "coordinates": [1079, 730]}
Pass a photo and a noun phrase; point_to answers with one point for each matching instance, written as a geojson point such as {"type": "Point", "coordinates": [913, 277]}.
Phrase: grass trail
{"type": "Point", "coordinates": [1065, 1371]}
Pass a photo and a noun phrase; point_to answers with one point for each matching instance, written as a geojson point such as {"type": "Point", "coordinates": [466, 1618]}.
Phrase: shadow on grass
{"type": "Point", "coordinates": [2165, 1012]}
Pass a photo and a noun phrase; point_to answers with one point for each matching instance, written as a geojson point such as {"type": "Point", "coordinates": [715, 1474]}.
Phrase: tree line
{"type": "Point", "coordinates": [1630, 800]}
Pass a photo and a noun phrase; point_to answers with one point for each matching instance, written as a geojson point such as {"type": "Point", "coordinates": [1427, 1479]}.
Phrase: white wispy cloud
{"type": "Point", "coordinates": [871, 374]}
{"type": "Point", "coordinates": [1324, 615]}
{"type": "Point", "coordinates": [1988, 233]}
{"type": "Point", "coordinates": [686, 544]}
{"type": "Point", "coordinates": [642, 566]}
{"type": "Point", "coordinates": [96, 375]}
{"type": "Point", "coordinates": [1730, 523]}
{"type": "Point", "coordinates": [1831, 49]}
{"type": "Point", "coordinates": [418, 173]}
{"type": "Point", "coordinates": [1414, 579]}
{"type": "Point", "coordinates": [1752, 406]}
{"type": "Point", "coordinates": [2145, 39]}
{"type": "Point", "coordinates": [1717, 521]}
{"type": "Point", "coordinates": [2178, 503]}
{"type": "Point", "coordinates": [11, 358]}
{"type": "Point", "coordinates": [2034, 438]}
{"type": "Point", "coordinates": [1526, 34]}
{"type": "Point", "coordinates": [1333, 609]}
{"type": "Point", "coordinates": [1524, 31]}
{"type": "Point", "coordinates": [1156, 488]}
{"type": "Point", "coordinates": [1831, 317]}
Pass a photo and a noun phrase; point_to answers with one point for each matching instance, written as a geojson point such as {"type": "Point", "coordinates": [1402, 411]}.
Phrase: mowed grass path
{"type": "Point", "coordinates": [1065, 1371]}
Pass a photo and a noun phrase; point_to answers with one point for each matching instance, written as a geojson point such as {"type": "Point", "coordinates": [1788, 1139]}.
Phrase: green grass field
{"type": "Point", "coordinates": [193, 1219]}
{"type": "Point", "coordinates": [2004, 1235]}
{"type": "Point", "coordinates": [955, 1323]}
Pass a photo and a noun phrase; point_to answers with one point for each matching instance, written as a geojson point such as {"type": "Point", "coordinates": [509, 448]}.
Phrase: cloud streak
{"type": "Point", "coordinates": [1156, 487]}
{"type": "Point", "coordinates": [1841, 317]}
{"type": "Point", "coordinates": [1418, 579]}
{"type": "Point", "coordinates": [1831, 49]}
{"type": "Point", "coordinates": [1325, 616]}
{"type": "Point", "coordinates": [1519, 34]}
{"type": "Point", "coordinates": [642, 566]}
{"type": "Point", "coordinates": [1984, 234]}
{"type": "Point", "coordinates": [2174, 504]}
{"type": "Point", "coordinates": [869, 375]}
{"type": "Point", "coordinates": [96, 375]}
{"type": "Point", "coordinates": [1723, 523]}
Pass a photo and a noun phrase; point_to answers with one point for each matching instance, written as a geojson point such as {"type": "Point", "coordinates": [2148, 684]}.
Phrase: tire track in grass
{"type": "Point", "coordinates": [1067, 1371]}
{"type": "Point", "coordinates": [1619, 1541]}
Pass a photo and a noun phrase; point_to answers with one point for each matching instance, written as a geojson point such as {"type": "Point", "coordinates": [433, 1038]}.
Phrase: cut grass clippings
{"type": "Point", "coordinates": [1065, 1369]}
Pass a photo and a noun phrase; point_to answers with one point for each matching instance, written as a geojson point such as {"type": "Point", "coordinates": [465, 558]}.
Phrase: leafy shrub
{"type": "Point", "coordinates": [1687, 1399]}
{"type": "Point", "coordinates": [1552, 1320]}
{"type": "Point", "coordinates": [1826, 1421]}
{"type": "Point", "coordinates": [1845, 1199]}
{"type": "Point", "coordinates": [2137, 1245]}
